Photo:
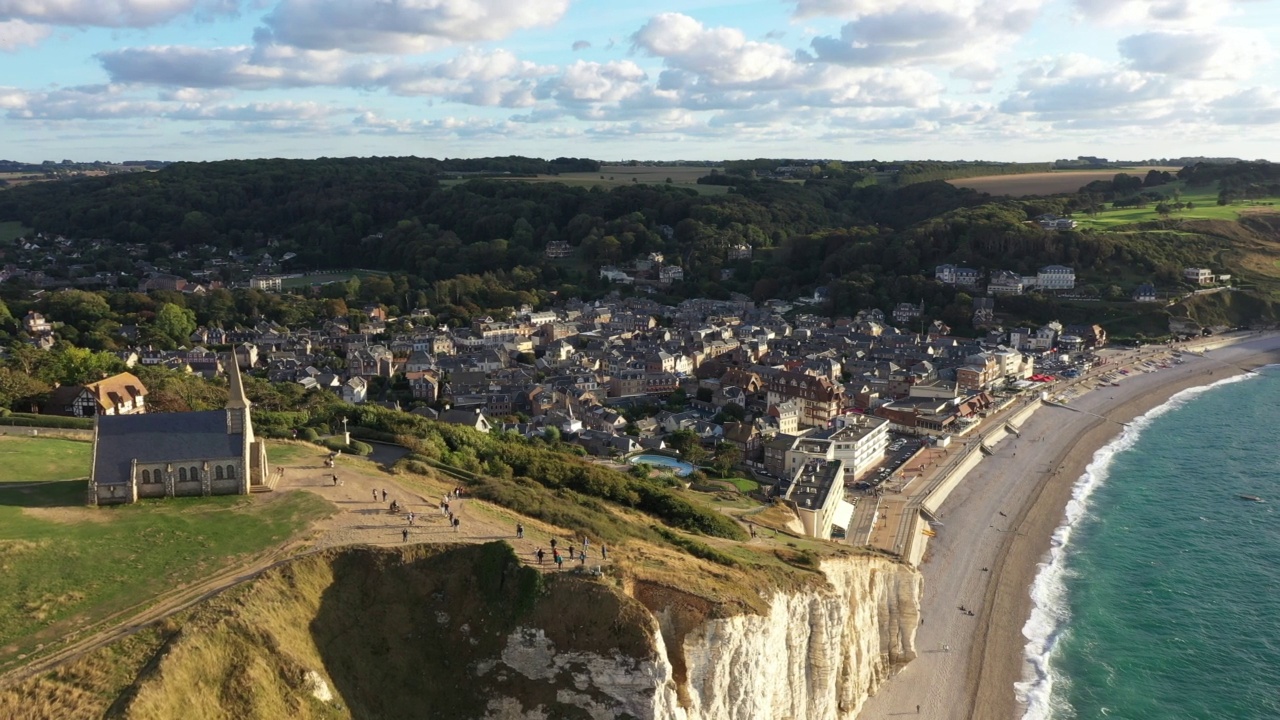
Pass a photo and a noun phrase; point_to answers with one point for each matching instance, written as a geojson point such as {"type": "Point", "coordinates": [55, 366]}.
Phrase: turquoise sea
{"type": "Point", "coordinates": [1161, 596]}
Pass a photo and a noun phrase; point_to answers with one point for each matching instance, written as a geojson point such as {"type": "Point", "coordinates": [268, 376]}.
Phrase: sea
{"type": "Point", "coordinates": [1160, 598]}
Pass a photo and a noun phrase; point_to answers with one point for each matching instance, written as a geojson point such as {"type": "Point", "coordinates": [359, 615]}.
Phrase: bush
{"type": "Point", "coordinates": [695, 548]}
{"type": "Point", "coordinates": [355, 448]}
{"type": "Point", "coordinates": [309, 434]}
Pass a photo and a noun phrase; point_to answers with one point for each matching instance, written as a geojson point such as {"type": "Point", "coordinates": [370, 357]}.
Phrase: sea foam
{"type": "Point", "coordinates": [1050, 615]}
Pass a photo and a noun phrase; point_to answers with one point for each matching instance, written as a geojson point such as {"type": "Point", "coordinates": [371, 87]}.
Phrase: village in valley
{"type": "Point", "coordinates": [772, 394]}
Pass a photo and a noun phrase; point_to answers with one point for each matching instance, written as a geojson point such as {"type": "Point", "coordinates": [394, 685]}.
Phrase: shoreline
{"type": "Point", "coordinates": [998, 528]}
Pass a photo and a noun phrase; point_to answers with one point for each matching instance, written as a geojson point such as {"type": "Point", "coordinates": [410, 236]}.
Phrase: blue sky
{"type": "Point", "coordinates": [1027, 80]}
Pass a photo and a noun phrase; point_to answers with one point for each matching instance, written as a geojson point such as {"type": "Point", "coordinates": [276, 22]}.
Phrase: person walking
{"type": "Point", "coordinates": [456, 523]}
{"type": "Point", "coordinates": [384, 495]}
{"type": "Point", "coordinates": [604, 552]}
{"type": "Point", "coordinates": [559, 562]}
{"type": "Point", "coordinates": [582, 557]}
{"type": "Point", "coordinates": [519, 531]}
{"type": "Point", "coordinates": [375, 496]}
{"type": "Point", "coordinates": [540, 555]}
{"type": "Point", "coordinates": [553, 544]}
{"type": "Point", "coordinates": [405, 534]}
{"type": "Point", "coordinates": [917, 709]}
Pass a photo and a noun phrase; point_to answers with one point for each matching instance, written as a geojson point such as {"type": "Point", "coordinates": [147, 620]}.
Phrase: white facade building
{"type": "Point", "coordinates": [1056, 277]}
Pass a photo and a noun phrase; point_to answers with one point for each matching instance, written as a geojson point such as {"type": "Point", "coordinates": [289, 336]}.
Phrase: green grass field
{"type": "Point", "coordinates": [326, 278]}
{"type": "Point", "coordinates": [1206, 207]}
{"type": "Point", "coordinates": [26, 459]}
{"type": "Point", "coordinates": [65, 565]}
{"type": "Point", "coordinates": [11, 230]}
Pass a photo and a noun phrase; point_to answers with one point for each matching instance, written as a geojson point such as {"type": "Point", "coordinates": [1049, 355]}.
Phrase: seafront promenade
{"type": "Point", "coordinates": [999, 514]}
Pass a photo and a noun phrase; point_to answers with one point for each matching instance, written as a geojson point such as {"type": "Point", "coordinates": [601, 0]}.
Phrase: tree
{"type": "Point", "coordinates": [17, 388]}
{"type": "Point", "coordinates": [727, 458]}
{"type": "Point", "coordinates": [175, 322]}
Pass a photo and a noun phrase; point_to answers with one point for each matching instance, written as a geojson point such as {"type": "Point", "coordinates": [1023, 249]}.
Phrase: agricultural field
{"type": "Point", "coordinates": [27, 459]}
{"type": "Point", "coordinates": [11, 230]}
{"type": "Point", "coordinates": [611, 176]}
{"type": "Point", "coordinates": [1045, 183]}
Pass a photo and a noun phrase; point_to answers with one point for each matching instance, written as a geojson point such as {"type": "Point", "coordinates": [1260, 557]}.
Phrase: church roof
{"type": "Point", "coordinates": [160, 437]}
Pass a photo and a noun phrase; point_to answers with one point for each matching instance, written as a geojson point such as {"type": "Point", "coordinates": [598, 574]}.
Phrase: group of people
{"type": "Point", "coordinates": [559, 559]}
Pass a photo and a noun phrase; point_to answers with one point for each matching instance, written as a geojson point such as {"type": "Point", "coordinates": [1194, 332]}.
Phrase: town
{"type": "Point", "coordinates": [818, 412]}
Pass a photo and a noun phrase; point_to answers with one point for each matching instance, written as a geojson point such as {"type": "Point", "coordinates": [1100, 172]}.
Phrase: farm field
{"type": "Point", "coordinates": [1045, 183]}
{"type": "Point", "coordinates": [611, 176]}
{"type": "Point", "coordinates": [27, 459]}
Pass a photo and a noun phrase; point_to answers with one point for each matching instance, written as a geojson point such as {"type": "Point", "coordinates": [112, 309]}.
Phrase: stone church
{"type": "Point", "coordinates": [212, 452]}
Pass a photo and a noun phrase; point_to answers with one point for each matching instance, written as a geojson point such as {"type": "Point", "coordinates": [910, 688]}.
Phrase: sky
{"type": "Point", "coordinates": [1011, 80]}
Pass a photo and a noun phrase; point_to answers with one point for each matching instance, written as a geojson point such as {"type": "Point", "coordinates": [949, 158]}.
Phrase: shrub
{"type": "Point", "coordinates": [695, 548]}
{"type": "Point", "coordinates": [309, 434]}
{"type": "Point", "coordinates": [47, 421]}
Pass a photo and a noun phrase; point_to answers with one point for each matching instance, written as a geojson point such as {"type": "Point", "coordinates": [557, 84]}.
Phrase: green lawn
{"type": "Point", "coordinates": [11, 230]}
{"type": "Point", "coordinates": [745, 485]}
{"type": "Point", "coordinates": [63, 565]}
{"type": "Point", "coordinates": [295, 454]}
{"type": "Point", "coordinates": [27, 459]}
{"type": "Point", "coordinates": [1205, 201]}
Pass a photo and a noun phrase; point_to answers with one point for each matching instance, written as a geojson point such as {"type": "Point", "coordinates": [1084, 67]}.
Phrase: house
{"type": "Point", "coordinates": [1056, 277]}
{"type": "Point", "coordinates": [355, 390]}
{"type": "Point", "coordinates": [1145, 293]}
{"type": "Point", "coordinates": [267, 283]}
{"type": "Point", "coordinates": [1198, 276]}
{"type": "Point", "coordinates": [122, 394]}
{"type": "Point", "coordinates": [1053, 222]}
{"type": "Point", "coordinates": [739, 252]}
{"type": "Point", "coordinates": [472, 418]}
{"type": "Point", "coordinates": [212, 452]}
{"type": "Point", "coordinates": [984, 310]}
{"type": "Point", "coordinates": [906, 312]}
{"type": "Point", "coordinates": [1004, 282]}
{"type": "Point", "coordinates": [559, 249]}
{"type": "Point", "coordinates": [952, 275]}
{"type": "Point", "coordinates": [36, 324]}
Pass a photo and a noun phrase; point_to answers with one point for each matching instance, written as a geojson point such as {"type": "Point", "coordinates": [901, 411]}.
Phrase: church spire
{"type": "Point", "coordinates": [236, 399]}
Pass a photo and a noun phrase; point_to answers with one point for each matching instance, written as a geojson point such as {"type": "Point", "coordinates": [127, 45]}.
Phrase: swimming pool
{"type": "Point", "coordinates": [679, 467]}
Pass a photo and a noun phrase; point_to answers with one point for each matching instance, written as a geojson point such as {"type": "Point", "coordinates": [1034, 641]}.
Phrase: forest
{"type": "Point", "coordinates": [478, 246]}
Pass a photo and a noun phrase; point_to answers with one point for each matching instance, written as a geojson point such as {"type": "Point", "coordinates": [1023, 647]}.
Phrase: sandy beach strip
{"type": "Point", "coordinates": [996, 530]}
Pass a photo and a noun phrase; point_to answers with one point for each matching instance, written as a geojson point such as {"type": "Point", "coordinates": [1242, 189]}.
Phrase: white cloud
{"type": "Point", "coordinates": [111, 13]}
{"type": "Point", "coordinates": [18, 33]}
{"type": "Point", "coordinates": [722, 56]}
{"type": "Point", "coordinates": [472, 77]}
{"type": "Point", "coordinates": [99, 102]}
{"type": "Point", "coordinates": [1253, 106]}
{"type": "Point", "coordinates": [405, 26]}
{"type": "Point", "coordinates": [372, 123]}
{"type": "Point", "coordinates": [1179, 12]}
{"type": "Point", "coordinates": [593, 82]}
{"type": "Point", "coordinates": [1214, 54]}
{"type": "Point", "coordinates": [890, 32]}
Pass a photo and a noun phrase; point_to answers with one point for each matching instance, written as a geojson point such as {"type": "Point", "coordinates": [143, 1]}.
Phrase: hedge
{"type": "Point", "coordinates": [47, 421]}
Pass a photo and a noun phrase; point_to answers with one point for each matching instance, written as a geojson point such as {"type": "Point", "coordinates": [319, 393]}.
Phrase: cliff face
{"type": "Point", "coordinates": [469, 632]}
{"type": "Point", "coordinates": [815, 655]}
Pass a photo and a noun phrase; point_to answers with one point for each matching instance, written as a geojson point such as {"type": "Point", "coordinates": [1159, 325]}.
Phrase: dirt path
{"type": "Point", "coordinates": [358, 520]}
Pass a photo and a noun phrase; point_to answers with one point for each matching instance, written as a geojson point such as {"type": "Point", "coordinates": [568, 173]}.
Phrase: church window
{"type": "Point", "coordinates": [195, 474]}
{"type": "Point", "coordinates": [146, 476]}
{"type": "Point", "coordinates": [231, 472]}
{"type": "Point", "coordinates": [182, 474]}
{"type": "Point", "coordinates": [217, 471]}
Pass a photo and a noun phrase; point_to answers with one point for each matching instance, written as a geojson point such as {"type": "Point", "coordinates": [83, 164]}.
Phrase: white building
{"type": "Point", "coordinates": [858, 442]}
{"type": "Point", "coordinates": [272, 283]}
{"type": "Point", "coordinates": [1004, 282]}
{"type": "Point", "coordinates": [1056, 277]}
{"type": "Point", "coordinates": [1199, 276]}
{"type": "Point", "coordinates": [815, 493]}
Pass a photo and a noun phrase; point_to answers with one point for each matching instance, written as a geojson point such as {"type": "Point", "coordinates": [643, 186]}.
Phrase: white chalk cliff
{"type": "Point", "coordinates": [816, 654]}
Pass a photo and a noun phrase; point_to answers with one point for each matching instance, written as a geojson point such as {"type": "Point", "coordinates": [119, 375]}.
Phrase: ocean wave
{"type": "Point", "coordinates": [1050, 613]}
